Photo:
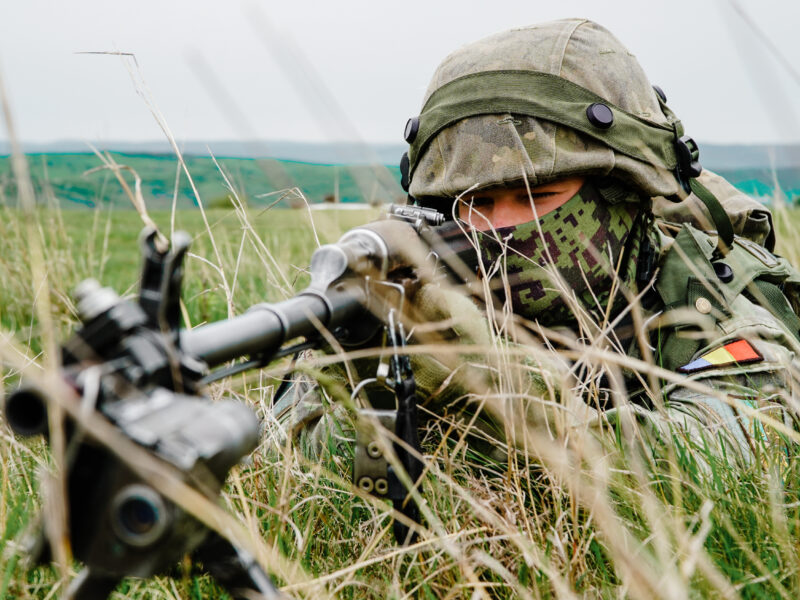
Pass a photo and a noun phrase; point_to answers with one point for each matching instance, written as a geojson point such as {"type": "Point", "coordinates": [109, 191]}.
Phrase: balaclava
{"type": "Point", "coordinates": [567, 262]}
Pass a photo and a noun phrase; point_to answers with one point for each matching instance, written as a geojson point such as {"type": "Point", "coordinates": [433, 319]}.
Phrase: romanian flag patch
{"type": "Point", "coordinates": [738, 352]}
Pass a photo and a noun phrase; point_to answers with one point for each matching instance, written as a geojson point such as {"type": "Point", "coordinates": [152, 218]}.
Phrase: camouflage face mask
{"type": "Point", "coordinates": [571, 254]}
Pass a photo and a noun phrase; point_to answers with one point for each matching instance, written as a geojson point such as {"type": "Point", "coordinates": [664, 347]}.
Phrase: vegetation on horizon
{"type": "Point", "coordinates": [79, 181]}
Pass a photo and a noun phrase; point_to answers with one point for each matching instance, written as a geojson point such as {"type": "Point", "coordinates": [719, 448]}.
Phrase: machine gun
{"type": "Point", "coordinates": [131, 364]}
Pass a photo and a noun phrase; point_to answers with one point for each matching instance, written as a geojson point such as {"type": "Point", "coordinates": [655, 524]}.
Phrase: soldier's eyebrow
{"type": "Point", "coordinates": [525, 195]}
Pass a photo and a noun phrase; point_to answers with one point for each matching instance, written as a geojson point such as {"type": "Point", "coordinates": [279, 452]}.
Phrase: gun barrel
{"type": "Point", "coordinates": [26, 411]}
{"type": "Point", "coordinates": [263, 329]}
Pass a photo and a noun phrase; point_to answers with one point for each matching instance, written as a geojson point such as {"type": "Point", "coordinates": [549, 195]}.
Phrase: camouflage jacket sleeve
{"type": "Point", "coordinates": [313, 414]}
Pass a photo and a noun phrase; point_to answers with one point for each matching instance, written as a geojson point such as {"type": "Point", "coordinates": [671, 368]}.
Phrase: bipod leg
{"type": "Point", "coordinates": [236, 570]}
{"type": "Point", "coordinates": [408, 448]}
{"type": "Point", "coordinates": [90, 586]}
{"type": "Point", "coordinates": [408, 454]}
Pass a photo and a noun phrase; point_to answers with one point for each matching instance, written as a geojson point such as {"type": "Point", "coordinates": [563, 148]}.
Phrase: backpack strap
{"type": "Point", "coordinates": [777, 303]}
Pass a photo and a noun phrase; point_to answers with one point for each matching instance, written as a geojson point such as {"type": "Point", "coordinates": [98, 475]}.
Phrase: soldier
{"type": "Point", "coordinates": [579, 201]}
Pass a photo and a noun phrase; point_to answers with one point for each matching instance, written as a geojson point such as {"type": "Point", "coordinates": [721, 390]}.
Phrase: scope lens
{"type": "Point", "coordinates": [139, 516]}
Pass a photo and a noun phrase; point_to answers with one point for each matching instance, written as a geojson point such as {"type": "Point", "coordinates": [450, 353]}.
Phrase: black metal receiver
{"type": "Point", "coordinates": [133, 366]}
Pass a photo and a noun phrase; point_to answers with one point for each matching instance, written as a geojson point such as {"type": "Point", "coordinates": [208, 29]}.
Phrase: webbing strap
{"type": "Point", "coordinates": [721, 220]}
{"type": "Point", "coordinates": [778, 305]}
{"type": "Point", "coordinates": [544, 96]}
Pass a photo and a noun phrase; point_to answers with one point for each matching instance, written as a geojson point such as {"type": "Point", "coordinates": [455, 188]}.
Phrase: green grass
{"type": "Point", "coordinates": [583, 516]}
{"type": "Point", "coordinates": [75, 180]}
{"type": "Point", "coordinates": [104, 244]}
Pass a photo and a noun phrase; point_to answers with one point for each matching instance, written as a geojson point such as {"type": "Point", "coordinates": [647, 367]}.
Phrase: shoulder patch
{"type": "Point", "coordinates": [738, 352]}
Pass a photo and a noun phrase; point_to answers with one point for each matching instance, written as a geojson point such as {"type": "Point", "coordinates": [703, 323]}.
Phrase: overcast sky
{"type": "Point", "coordinates": [341, 69]}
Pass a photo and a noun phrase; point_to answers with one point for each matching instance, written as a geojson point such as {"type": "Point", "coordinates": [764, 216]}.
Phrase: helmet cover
{"type": "Point", "coordinates": [500, 145]}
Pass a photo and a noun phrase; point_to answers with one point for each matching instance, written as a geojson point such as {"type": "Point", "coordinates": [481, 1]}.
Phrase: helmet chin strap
{"type": "Point", "coordinates": [721, 220]}
{"type": "Point", "coordinates": [688, 170]}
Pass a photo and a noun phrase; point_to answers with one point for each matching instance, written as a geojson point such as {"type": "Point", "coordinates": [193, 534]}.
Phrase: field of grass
{"type": "Point", "coordinates": [580, 514]}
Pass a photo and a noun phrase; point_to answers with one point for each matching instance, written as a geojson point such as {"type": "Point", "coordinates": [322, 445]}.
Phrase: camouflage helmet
{"type": "Point", "coordinates": [545, 102]}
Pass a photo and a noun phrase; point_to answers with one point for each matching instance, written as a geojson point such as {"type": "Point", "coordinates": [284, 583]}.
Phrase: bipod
{"type": "Point", "coordinates": [372, 472]}
{"type": "Point", "coordinates": [406, 429]}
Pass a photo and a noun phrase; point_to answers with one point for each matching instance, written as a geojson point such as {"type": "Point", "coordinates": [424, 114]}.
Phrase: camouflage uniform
{"type": "Point", "coordinates": [515, 107]}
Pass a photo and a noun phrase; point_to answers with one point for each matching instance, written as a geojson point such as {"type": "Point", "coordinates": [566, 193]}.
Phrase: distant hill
{"type": "Point", "coordinates": [721, 157]}
{"type": "Point", "coordinates": [75, 180]}
{"type": "Point", "coordinates": [724, 157]}
{"type": "Point", "coordinates": [329, 153]}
